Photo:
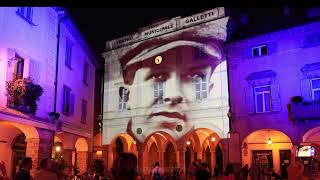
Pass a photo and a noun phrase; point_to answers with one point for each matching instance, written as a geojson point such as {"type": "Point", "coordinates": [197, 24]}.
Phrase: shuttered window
{"type": "Point", "coordinates": [315, 86]}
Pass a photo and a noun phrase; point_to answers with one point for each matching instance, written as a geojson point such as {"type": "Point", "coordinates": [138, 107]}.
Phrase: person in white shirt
{"type": "Point", "coordinates": [156, 169]}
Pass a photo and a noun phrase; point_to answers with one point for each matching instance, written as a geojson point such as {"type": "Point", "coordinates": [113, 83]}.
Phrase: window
{"type": "Point", "coordinates": [315, 86]}
{"type": "Point", "coordinates": [20, 66]}
{"type": "Point", "coordinates": [85, 73]}
{"type": "Point", "coordinates": [66, 100]}
{"type": "Point", "coordinates": [158, 92]}
{"type": "Point", "coordinates": [25, 13]}
{"type": "Point", "coordinates": [123, 98]}
{"type": "Point", "coordinates": [68, 53]}
{"type": "Point", "coordinates": [262, 98]}
{"type": "Point", "coordinates": [201, 87]}
{"type": "Point", "coordinates": [259, 51]}
{"type": "Point", "coordinates": [83, 112]}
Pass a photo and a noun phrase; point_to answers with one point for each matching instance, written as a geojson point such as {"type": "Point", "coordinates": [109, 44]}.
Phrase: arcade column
{"type": "Point", "coordinates": [107, 156]}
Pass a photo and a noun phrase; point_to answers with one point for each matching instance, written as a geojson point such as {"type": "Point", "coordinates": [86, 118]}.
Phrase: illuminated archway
{"type": "Point", "coordinates": [312, 138]}
{"type": "Point", "coordinates": [200, 144]}
{"type": "Point", "coordinates": [158, 141]}
{"type": "Point", "coordinates": [265, 147]}
{"type": "Point", "coordinates": [81, 154]}
{"type": "Point", "coordinates": [10, 134]}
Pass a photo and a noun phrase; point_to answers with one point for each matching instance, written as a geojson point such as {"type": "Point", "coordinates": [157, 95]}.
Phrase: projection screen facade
{"type": "Point", "coordinates": [168, 77]}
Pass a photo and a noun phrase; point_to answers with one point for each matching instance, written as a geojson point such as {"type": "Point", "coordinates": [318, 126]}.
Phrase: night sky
{"type": "Point", "coordinates": [99, 25]}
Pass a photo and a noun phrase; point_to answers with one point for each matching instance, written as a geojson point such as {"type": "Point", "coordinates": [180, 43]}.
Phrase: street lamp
{"type": "Point", "coordinates": [269, 141]}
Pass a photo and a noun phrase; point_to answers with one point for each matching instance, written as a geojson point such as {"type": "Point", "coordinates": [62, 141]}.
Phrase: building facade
{"type": "Point", "coordinates": [274, 95]}
{"type": "Point", "coordinates": [166, 94]}
{"type": "Point", "coordinates": [43, 55]}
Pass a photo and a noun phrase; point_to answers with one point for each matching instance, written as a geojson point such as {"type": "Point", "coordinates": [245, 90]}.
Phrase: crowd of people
{"type": "Point", "coordinates": [125, 168]}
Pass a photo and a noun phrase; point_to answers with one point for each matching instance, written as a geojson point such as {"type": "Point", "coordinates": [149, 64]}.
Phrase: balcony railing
{"type": "Point", "coordinates": [305, 110]}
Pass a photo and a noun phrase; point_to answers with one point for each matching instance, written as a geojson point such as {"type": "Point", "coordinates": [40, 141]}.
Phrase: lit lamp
{"type": "Point", "coordinates": [58, 148]}
{"type": "Point", "coordinates": [213, 139]}
{"type": "Point", "coordinates": [269, 141]}
{"type": "Point", "coordinates": [188, 143]}
{"type": "Point", "coordinates": [134, 142]}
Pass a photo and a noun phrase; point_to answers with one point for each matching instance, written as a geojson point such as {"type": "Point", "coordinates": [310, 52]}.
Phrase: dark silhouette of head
{"type": "Point", "coordinates": [228, 170]}
{"type": "Point", "coordinates": [26, 163]}
{"type": "Point", "coordinates": [157, 164]}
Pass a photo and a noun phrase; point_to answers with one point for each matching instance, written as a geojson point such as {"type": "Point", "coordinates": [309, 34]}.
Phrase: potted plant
{"type": "Point", "coordinates": [23, 95]}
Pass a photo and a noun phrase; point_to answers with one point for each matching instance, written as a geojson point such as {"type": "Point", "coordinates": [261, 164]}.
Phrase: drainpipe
{"type": "Point", "coordinates": [229, 100]}
{"type": "Point", "coordinates": [61, 17]}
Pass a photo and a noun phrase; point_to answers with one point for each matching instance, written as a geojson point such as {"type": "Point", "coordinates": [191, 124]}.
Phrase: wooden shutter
{"type": "Point", "coordinates": [246, 53]}
{"type": "Point", "coordinates": [249, 99]}
{"type": "Point", "coordinates": [32, 70]}
{"type": "Point", "coordinates": [71, 103]}
{"type": "Point", "coordinates": [306, 92]}
{"type": "Point", "coordinates": [275, 97]}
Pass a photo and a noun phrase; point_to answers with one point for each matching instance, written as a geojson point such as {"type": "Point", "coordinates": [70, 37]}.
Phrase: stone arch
{"type": "Point", "coordinates": [311, 135]}
{"type": "Point", "coordinates": [127, 141]}
{"type": "Point", "coordinates": [256, 145]}
{"type": "Point", "coordinates": [81, 144]}
{"type": "Point", "coordinates": [29, 131]}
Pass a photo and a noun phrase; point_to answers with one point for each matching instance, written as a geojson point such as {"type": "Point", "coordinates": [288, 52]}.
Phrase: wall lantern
{"type": "Point", "coordinates": [58, 148]}
{"type": "Point", "coordinates": [213, 139]}
{"type": "Point", "coordinates": [188, 143]}
{"type": "Point", "coordinates": [134, 142]}
{"type": "Point", "coordinates": [269, 141]}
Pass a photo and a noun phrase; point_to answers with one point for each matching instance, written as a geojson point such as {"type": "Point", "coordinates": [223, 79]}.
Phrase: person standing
{"type": "Point", "coordinates": [24, 171]}
{"type": "Point", "coordinates": [44, 173]}
{"type": "Point", "coordinates": [244, 172]}
{"type": "Point", "coordinates": [202, 173]}
{"type": "Point", "coordinates": [228, 173]}
{"type": "Point", "coordinates": [295, 170]}
{"type": "Point", "coordinates": [157, 172]}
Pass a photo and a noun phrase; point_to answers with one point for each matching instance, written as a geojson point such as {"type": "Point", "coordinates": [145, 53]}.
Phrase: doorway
{"type": "Point", "coordinates": [19, 147]}
{"type": "Point", "coordinates": [285, 161]}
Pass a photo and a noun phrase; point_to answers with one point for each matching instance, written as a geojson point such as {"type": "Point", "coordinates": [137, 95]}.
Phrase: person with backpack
{"type": "Point", "coordinates": [157, 172]}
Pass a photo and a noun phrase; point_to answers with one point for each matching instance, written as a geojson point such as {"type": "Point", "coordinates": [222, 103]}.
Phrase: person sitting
{"type": "Point", "coordinates": [124, 167]}
{"type": "Point", "coordinates": [44, 173]}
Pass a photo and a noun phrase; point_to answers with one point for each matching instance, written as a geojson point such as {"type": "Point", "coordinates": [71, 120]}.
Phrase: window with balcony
{"type": "Point", "coordinates": [259, 51]}
{"type": "Point", "coordinates": [262, 96]}
{"type": "Point", "coordinates": [123, 98]}
{"type": "Point", "coordinates": [26, 13]}
{"type": "Point", "coordinates": [83, 112]}
{"type": "Point", "coordinates": [201, 87]}
{"type": "Point", "coordinates": [158, 92]}
{"type": "Point", "coordinates": [68, 53]}
{"type": "Point", "coordinates": [315, 87]}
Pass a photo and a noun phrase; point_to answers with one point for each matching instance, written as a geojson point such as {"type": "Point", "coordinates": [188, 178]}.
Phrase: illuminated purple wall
{"type": "Point", "coordinates": [293, 59]}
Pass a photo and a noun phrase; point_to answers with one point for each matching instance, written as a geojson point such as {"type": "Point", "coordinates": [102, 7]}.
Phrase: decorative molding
{"type": "Point", "coordinates": [261, 75]}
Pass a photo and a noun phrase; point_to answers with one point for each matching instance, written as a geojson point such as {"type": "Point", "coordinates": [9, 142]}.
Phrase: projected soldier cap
{"type": "Point", "coordinates": [169, 74]}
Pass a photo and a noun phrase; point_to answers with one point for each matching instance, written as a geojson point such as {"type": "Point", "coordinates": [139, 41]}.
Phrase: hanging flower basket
{"type": "Point", "coordinates": [23, 95]}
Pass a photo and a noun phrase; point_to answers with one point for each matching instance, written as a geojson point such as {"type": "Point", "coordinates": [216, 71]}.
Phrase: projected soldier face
{"type": "Point", "coordinates": [170, 81]}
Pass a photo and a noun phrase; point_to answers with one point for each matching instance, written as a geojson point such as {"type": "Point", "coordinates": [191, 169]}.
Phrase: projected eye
{"type": "Point", "coordinates": [158, 77]}
{"type": "Point", "coordinates": [196, 75]}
